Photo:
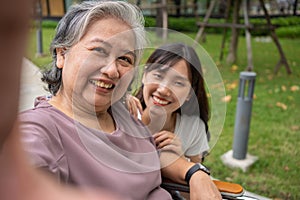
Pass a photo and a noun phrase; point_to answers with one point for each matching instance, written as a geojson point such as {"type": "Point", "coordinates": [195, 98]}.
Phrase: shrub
{"type": "Point", "coordinates": [288, 32]}
{"type": "Point", "coordinates": [49, 24]}
{"type": "Point", "coordinates": [285, 26]}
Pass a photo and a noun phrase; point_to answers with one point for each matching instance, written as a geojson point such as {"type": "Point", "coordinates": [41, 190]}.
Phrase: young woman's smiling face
{"type": "Point", "coordinates": [95, 70]}
{"type": "Point", "coordinates": [168, 88]}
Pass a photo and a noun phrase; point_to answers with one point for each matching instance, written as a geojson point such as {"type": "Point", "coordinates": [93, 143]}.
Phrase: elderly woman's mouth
{"type": "Point", "coordinates": [102, 84]}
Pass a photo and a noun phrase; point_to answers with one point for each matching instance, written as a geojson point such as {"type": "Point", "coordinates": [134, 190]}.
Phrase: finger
{"type": "Point", "coordinates": [128, 105]}
{"type": "Point", "coordinates": [133, 109]}
{"type": "Point", "coordinates": [139, 106]}
{"type": "Point", "coordinates": [166, 143]}
{"type": "Point", "coordinates": [173, 143]}
{"type": "Point", "coordinates": [163, 134]}
{"type": "Point", "coordinates": [163, 138]}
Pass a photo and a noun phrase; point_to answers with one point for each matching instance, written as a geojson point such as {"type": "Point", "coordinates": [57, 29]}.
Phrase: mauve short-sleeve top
{"type": "Point", "coordinates": [125, 162]}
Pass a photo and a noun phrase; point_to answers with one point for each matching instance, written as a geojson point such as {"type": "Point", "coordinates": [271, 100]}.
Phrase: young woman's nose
{"type": "Point", "coordinates": [164, 90]}
{"type": "Point", "coordinates": [111, 70]}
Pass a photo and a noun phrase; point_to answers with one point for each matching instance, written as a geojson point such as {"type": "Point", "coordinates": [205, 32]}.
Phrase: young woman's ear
{"type": "Point", "coordinates": [143, 79]}
{"type": "Point", "coordinates": [60, 57]}
{"type": "Point", "coordinates": [144, 74]}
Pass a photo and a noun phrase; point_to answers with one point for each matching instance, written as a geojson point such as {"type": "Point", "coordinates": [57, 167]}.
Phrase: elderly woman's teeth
{"type": "Point", "coordinates": [102, 84]}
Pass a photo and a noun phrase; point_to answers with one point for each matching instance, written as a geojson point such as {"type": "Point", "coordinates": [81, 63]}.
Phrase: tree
{"type": "Point", "coordinates": [232, 54]}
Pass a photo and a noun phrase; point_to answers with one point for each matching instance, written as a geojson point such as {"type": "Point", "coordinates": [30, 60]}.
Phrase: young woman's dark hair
{"type": "Point", "coordinates": [168, 55]}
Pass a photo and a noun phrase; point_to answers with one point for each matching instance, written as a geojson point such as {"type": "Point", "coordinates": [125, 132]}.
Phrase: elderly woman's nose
{"type": "Point", "coordinates": [111, 70]}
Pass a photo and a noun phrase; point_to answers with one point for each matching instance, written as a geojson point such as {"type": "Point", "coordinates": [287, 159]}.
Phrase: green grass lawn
{"type": "Point", "coordinates": [275, 124]}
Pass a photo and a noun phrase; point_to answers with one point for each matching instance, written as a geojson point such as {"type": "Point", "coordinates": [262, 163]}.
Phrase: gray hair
{"type": "Point", "coordinates": [73, 26]}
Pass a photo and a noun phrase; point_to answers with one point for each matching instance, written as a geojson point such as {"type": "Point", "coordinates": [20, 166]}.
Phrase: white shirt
{"type": "Point", "coordinates": [192, 133]}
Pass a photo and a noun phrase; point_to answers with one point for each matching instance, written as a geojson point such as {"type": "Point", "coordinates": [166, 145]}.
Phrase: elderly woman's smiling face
{"type": "Point", "coordinates": [95, 70]}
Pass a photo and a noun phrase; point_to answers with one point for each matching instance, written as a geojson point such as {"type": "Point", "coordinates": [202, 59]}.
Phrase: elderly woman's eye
{"type": "Point", "coordinates": [126, 59]}
{"type": "Point", "coordinates": [100, 50]}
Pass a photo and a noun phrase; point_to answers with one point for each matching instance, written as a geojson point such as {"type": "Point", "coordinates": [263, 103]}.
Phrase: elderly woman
{"type": "Point", "coordinates": [83, 134]}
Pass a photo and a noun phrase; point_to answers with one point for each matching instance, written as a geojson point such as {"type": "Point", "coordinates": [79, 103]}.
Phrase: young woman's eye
{"type": "Point", "coordinates": [179, 83]}
{"type": "Point", "coordinates": [157, 75]}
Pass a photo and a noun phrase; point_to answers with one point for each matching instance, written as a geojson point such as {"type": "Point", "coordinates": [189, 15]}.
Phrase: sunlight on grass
{"type": "Point", "coordinates": [40, 61]}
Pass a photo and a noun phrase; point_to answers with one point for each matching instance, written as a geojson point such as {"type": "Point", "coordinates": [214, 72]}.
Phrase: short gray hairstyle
{"type": "Point", "coordinates": [73, 26]}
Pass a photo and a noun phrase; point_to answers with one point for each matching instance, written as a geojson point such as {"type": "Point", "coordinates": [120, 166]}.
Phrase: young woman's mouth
{"type": "Point", "coordinates": [158, 101]}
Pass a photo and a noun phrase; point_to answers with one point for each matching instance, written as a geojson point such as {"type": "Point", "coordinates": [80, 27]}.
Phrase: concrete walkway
{"type": "Point", "coordinates": [32, 86]}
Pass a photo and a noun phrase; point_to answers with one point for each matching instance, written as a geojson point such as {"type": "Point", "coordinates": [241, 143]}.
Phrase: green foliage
{"type": "Point", "coordinates": [286, 21]}
{"type": "Point", "coordinates": [49, 24]}
{"type": "Point", "coordinates": [285, 26]}
{"type": "Point", "coordinates": [288, 32]}
{"type": "Point", "coordinates": [44, 60]}
{"type": "Point", "coordinates": [150, 22]}
{"type": "Point", "coordinates": [278, 22]}
{"type": "Point", "coordinates": [178, 24]}
{"type": "Point", "coordinates": [183, 24]}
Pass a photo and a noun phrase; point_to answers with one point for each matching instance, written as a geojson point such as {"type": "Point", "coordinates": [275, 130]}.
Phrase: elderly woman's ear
{"type": "Point", "coordinates": [60, 57]}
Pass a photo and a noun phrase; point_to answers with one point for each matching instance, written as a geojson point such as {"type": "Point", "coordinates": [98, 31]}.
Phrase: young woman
{"type": "Point", "coordinates": [174, 101]}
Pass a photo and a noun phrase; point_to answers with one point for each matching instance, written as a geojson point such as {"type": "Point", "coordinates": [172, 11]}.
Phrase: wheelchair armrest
{"type": "Point", "coordinates": [226, 189]}
{"type": "Point", "coordinates": [170, 186]}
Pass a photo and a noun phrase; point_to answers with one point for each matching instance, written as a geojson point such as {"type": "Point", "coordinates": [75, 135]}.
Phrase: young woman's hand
{"type": "Point", "coordinates": [134, 105]}
{"type": "Point", "coordinates": [167, 141]}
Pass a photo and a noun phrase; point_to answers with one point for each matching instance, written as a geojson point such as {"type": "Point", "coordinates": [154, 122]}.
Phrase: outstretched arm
{"type": "Point", "coordinates": [14, 23]}
{"type": "Point", "coordinates": [18, 180]}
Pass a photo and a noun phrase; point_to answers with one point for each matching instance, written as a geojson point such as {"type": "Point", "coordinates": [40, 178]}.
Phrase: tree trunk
{"type": "Point", "coordinates": [178, 6]}
{"type": "Point", "coordinates": [283, 60]}
{"type": "Point", "coordinates": [205, 20]}
{"type": "Point", "coordinates": [162, 20]}
{"type": "Point", "coordinates": [295, 8]}
{"type": "Point", "coordinates": [232, 55]}
{"type": "Point", "coordinates": [248, 35]}
{"type": "Point", "coordinates": [227, 15]}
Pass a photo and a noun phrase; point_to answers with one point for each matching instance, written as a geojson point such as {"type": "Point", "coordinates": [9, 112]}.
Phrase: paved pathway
{"type": "Point", "coordinates": [32, 86]}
